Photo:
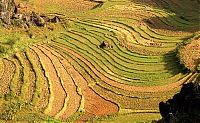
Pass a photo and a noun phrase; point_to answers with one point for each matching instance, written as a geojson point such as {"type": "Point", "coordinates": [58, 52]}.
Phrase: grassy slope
{"type": "Point", "coordinates": [78, 9]}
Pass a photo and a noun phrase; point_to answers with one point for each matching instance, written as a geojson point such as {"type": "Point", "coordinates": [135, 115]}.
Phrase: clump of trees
{"type": "Point", "coordinates": [189, 53]}
{"type": "Point", "coordinates": [184, 107]}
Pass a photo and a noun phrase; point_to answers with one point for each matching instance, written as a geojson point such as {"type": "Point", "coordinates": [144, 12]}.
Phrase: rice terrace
{"type": "Point", "coordinates": [101, 61]}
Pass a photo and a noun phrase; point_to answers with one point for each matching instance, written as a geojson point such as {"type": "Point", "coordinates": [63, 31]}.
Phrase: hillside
{"type": "Point", "coordinates": [95, 61]}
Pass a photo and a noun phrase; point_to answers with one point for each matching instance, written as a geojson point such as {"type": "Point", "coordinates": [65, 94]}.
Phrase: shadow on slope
{"type": "Point", "coordinates": [186, 18]}
{"type": "Point", "coordinates": [173, 64]}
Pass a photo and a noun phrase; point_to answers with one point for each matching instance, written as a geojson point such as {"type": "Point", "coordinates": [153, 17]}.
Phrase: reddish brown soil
{"type": "Point", "coordinates": [94, 104]}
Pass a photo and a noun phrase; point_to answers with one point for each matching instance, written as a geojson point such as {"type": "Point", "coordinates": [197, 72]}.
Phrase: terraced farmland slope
{"type": "Point", "coordinates": [70, 77]}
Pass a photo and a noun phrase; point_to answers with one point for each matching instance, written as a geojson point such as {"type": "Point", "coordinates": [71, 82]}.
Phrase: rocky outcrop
{"type": "Point", "coordinates": [7, 10]}
{"type": "Point", "coordinates": [38, 20]}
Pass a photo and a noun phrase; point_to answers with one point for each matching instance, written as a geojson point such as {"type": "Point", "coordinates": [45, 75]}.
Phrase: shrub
{"type": "Point", "coordinates": [189, 53]}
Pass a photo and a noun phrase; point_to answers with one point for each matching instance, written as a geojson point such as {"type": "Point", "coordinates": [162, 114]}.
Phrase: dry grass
{"type": "Point", "coordinates": [58, 95]}
{"type": "Point", "coordinates": [61, 6]}
{"type": "Point", "coordinates": [5, 79]}
{"type": "Point", "coordinates": [72, 101]}
{"type": "Point", "coordinates": [190, 54]}
{"type": "Point", "coordinates": [71, 74]}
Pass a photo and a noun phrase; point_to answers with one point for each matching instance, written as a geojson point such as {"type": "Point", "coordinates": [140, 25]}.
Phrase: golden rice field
{"type": "Point", "coordinates": [69, 78]}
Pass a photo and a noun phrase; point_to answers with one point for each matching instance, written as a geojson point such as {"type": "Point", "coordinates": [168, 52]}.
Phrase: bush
{"type": "Point", "coordinates": [188, 53]}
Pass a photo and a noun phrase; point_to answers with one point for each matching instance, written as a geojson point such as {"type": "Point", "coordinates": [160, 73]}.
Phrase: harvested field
{"type": "Point", "coordinates": [71, 104]}
{"type": "Point", "coordinates": [56, 6]}
{"type": "Point", "coordinates": [28, 88]}
{"type": "Point", "coordinates": [56, 89]}
{"type": "Point", "coordinates": [6, 77]}
{"type": "Point", "coordinates": [42, 90]}
{"type": "Point", "coordinates": [100, 62]}
{"type": "Point", "coordinates": [190, 54]}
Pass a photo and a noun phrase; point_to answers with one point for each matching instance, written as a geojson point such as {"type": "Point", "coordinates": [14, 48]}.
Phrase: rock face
{"type": "Point", "coordinates": [37, 19]}
{"type": "Point", "coordinates": [184, 107]}
{"type": "Point", "coordinates": [56, 19]}
{"type": "Point", "coordinates": [7, 10]}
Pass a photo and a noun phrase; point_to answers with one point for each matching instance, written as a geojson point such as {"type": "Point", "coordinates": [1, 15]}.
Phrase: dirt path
{"type": "Point", "coordinates": [57, 94]}
{"type": "Point", "coordinates": [127, 87]}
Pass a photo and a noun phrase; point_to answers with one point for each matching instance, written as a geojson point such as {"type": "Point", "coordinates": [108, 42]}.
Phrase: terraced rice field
{"type": "Point", "coordinates": [71, 78]}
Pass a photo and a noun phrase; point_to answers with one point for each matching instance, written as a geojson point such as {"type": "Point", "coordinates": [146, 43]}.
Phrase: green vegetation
{"type": "Point", "coordinates": [198, 67]}
{"type": "Point", "coordinates": [44, 69]}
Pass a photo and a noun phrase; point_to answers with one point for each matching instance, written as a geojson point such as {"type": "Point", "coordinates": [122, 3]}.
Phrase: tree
{"type": "Point", "coordinates": [184, 106]}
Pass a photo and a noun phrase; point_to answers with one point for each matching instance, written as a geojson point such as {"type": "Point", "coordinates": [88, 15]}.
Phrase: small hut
{"type": "Point", "coordinates": [56, 19]}
{"type": "Point", "coordinates": [105, 44]}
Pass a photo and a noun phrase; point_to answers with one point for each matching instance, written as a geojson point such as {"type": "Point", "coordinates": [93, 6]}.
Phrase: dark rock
{"type": "Point", "coordinates": [46, 18]}
{"type": "Point", "coordinates": [164, 109]}
{"type": "Point", "coordinates": [56, 19]}
{"type": "Point", "coordinates": [189, 89]}
{"type": "Point", "coordinates": [184, 107]}
{"type": "Point", "coordinates": [37, 20]}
